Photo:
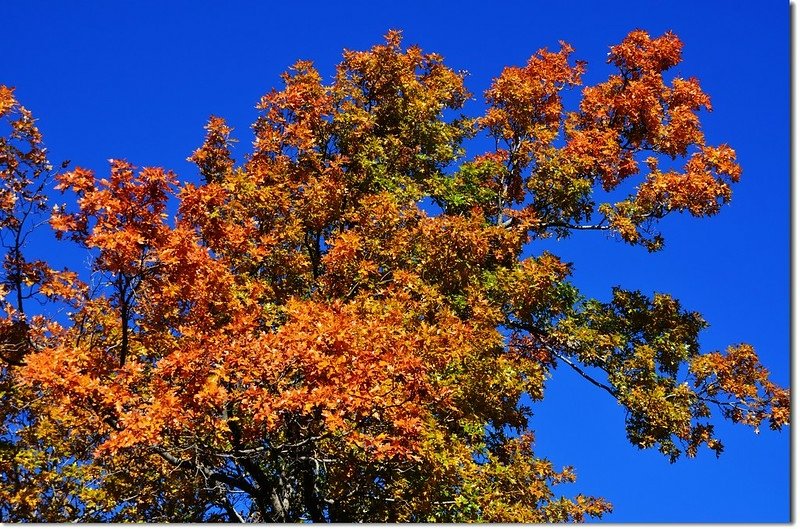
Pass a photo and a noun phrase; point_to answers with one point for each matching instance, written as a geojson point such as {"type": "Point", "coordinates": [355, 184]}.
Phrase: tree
{"type": "Point", "coordinates": [305, 341]}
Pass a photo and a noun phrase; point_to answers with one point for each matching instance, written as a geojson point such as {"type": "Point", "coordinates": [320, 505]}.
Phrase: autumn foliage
{"type": "Point", "coordinates": [303, 340]}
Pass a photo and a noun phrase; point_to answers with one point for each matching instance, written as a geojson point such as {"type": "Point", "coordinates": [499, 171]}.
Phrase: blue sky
{"type": "Point", "coordinates": [137, 80]}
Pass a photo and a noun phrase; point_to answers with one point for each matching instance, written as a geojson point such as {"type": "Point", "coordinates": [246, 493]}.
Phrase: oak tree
{"type": "Point", "coordinates": [341, 325]}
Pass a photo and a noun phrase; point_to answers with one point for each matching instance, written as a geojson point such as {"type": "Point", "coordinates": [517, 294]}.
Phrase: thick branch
{"type": "Point", "coordinates": [582, 373]}
{"type": "Point", "coordinates": [263, 482]}
{"type": "Point", "coordinates": [233, 514]}
{"type": "Point", "coordinates": [540, 334]}
{"type": "Point", "coordinates": [559, 224]}
{"type": "Point", "coordinates": [207, 472]}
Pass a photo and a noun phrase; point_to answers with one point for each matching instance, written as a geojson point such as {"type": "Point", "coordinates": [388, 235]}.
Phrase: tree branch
{"type": "Point", "coordinates": [582, 373]}
{"type": "Point", "coordinates": [207, 472]}
{"type": "Point", "coordinates": [540, 334]}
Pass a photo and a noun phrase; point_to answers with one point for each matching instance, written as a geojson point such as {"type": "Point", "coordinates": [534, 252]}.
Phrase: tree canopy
{"type": "Point", "coordinates": [341, 326]}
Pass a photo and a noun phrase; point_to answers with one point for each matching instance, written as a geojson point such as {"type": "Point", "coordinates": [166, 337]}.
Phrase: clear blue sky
{"type": "Point", "coordinates": [137, 80]}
